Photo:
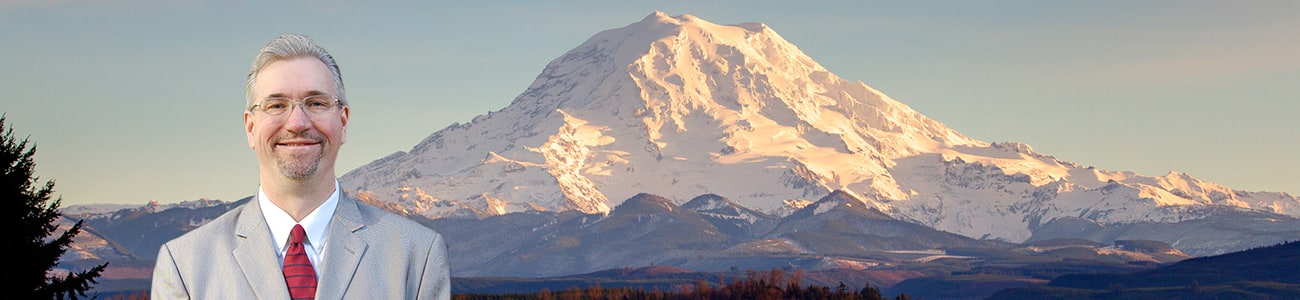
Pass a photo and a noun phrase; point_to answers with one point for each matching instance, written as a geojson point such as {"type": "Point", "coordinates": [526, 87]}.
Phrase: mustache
{"type": "Point", "coordinates": [309, 135]}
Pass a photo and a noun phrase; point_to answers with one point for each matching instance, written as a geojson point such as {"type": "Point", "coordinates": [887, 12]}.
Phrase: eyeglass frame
{"type": "Point", "coordinates": [338, 103]}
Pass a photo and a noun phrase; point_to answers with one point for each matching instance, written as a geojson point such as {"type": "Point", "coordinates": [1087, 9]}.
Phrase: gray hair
{"type": "Point", "coordinates": [288, 47]}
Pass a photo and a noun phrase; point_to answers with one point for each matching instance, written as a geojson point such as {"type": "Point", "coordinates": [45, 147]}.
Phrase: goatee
{"type": "Point", "coordinates": [300, 166]}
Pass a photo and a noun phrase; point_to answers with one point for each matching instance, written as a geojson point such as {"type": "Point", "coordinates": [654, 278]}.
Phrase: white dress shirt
{"type": "Point", "coordinates": [316, 224]}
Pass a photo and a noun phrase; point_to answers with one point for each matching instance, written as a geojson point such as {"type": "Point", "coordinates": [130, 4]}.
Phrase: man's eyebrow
{"type": "Point", "coordinates": [282, 95]}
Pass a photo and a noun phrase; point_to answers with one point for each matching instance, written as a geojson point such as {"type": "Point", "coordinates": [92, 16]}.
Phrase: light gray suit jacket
{"type": "Point", "coordinates": [371, 254]}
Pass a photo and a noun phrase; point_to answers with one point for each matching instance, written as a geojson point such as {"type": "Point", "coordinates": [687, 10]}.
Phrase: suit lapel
{"type": "Point", "coordinates": [256, 256]}
{"type": "Point", "coordinates": [344, 250]}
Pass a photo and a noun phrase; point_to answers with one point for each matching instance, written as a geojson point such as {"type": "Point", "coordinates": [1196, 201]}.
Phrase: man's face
{"type": "Point", "coordinates": [297, 144]}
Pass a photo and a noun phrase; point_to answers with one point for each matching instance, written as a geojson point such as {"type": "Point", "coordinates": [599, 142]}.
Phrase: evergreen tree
{"type": "Point", "coordinates": [869, 292]}
{"type": "Point", "coordinates": [27, 219]}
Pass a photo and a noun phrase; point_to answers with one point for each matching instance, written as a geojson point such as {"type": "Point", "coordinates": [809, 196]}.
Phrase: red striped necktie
{"type": "Point", "coordinates": [298, 273]}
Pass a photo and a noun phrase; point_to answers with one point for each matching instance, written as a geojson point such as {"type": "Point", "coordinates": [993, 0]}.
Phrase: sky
{"type": "Point", "coordinates": [132, 101]}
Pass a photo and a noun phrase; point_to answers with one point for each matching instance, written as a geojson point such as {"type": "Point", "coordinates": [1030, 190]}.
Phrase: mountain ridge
{"type": "Point", "coordinates": [1257, 273]}
{"type": "Point", "coordinates": [663, 114]}
{"type": "Point", "coordinates": [837, 236]}
{"type": "Point", "coordinates": [679, 106]}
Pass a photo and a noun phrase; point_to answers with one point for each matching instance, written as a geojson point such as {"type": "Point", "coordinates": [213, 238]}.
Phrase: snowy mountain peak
{"type": "Point", "coordinates": [645, 202]}
{"type": "Point", "coordinates": [840, 202]}
{"type": "Point", "coordinates": [674, 105]}
{"type": "Point", "coordinates": [709, 202]}
{"type": "Point", "coordinates": [722, 208]}
{"type": "Point", "coordinates": [680, 107]}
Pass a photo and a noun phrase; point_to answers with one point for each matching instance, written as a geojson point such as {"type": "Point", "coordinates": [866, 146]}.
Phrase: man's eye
{"type": "Point", "coordinates": [317, 103]}
{"type": "Point", "coordinates": [272, 105]}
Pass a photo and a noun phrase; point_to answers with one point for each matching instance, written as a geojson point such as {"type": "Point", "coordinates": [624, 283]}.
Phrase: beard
{"type": "Point", "coordinates": [299, 166]}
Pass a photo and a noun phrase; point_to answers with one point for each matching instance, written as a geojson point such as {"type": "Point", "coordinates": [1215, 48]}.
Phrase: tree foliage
{"type": "Point", "coordinates": [774, 284]}
{"type": "Point", "coordinates": [27, 219]}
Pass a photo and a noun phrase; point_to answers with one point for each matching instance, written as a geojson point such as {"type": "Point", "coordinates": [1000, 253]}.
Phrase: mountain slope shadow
{"type": "Point", "coordinates": [841, 224]}
{"type": "Point", "coordinates": [1261, 273]}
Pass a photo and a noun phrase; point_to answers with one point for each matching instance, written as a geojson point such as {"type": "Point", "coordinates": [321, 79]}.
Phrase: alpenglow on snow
{"type": "Point", "coordinates": [680, 107]}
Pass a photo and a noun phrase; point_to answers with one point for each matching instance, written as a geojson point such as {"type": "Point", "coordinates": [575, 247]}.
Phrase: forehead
{"type": "Point", "coordinates": [294, 77]}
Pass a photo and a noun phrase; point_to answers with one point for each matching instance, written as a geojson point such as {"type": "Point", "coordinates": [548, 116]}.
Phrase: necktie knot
{"type": "Point", "coordinates": [297, 235]}
{"type": "Point", "coordinates": [298, 272]}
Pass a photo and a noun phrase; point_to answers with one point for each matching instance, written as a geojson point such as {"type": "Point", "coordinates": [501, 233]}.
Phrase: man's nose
{"type": "Point", "coordinates": [297, 119]}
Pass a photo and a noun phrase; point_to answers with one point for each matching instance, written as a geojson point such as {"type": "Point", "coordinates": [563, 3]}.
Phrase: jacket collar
{"type": "Point", "coordinates": [255, 252]}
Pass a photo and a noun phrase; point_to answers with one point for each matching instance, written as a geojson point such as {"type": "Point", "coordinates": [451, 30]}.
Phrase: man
{"type": "Point", "coordinates": [300, 237]}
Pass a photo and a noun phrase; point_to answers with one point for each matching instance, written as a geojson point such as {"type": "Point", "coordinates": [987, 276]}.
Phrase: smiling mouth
{"type": "Point", "coordinates": [306, 141]}
{"type": "Point", "coordinates": [297, 144]}
{"type": "Point", "coordinates": [304, 144]}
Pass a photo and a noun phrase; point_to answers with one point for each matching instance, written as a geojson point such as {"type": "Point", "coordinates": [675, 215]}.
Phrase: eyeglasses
{"type": "Point", "coordinates": [314, 104]}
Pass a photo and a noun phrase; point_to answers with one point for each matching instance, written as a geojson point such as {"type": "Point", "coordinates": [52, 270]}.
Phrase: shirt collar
{"type": "Point", "coordinates": [316, 223]}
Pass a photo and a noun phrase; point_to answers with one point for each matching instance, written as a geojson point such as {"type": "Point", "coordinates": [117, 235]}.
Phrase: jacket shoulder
{"type": "Point", "coordinates": [391, 222]}
{"type": "Point", "coordinates": [223, 225]}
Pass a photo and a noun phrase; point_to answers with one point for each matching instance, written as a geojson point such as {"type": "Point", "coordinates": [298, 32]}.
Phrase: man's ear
{"type": "Point", "coordinates": [343, 119]}
{"type": "Point", "coordinates": [248, 129]}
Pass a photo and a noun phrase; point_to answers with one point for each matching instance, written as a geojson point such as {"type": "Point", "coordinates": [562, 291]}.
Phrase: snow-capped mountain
{"type": "Point", "coordinates": [681, 107]}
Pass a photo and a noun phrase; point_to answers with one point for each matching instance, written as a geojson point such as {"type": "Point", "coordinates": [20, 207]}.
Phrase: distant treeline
{"type": "Point", "coordinates": [774, 284]}
{"type": "Point", "coordinates": [137, 295]}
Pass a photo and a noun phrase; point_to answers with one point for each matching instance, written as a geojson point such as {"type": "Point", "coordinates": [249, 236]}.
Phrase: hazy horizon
{"type": "Point", "coordinates": [141, 100]}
